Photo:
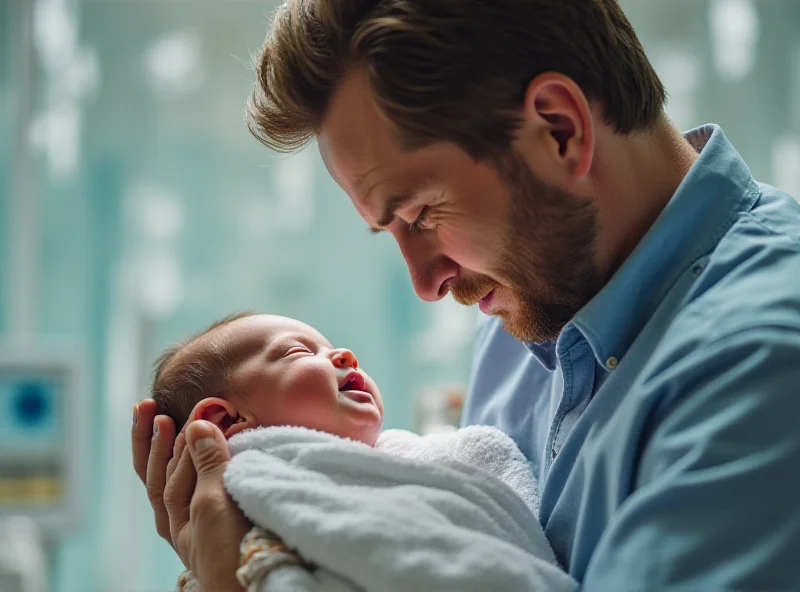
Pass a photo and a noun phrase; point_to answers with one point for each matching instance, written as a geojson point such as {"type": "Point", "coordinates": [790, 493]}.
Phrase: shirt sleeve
{"type": "Point", "coordinates": [716, 497]}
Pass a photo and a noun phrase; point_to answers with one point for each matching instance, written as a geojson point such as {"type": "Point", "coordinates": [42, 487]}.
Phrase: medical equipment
{"type": "Point", "coordinates": [23, 561]}
{"type": "Point", "coordinates": [42, 439]}
{"type": "Point", "coordinates": [42, 456]}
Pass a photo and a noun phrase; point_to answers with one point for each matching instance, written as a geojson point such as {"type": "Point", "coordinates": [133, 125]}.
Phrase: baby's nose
{"type": "Point", "coordinates": [344, 358]}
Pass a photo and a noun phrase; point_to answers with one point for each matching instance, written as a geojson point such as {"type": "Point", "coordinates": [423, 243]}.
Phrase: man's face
{"type": "Point", "coordinates": [492, 234]}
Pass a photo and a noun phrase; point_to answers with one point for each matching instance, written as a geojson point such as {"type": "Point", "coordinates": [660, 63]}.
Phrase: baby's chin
{"type": "Point", "coordinates": [366, 433]}
{"type": "Point", "coordinates": [369, 439]}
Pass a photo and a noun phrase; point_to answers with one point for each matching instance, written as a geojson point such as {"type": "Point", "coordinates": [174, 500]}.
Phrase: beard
{"type": "Point", "coordinates": [547, 262]}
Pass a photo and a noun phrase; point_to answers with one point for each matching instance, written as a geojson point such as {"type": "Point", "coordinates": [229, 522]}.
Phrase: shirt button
{"type": "Point", "coordinates": [611, 363]}
{"type": "Point", "coordinates": [698, 269]}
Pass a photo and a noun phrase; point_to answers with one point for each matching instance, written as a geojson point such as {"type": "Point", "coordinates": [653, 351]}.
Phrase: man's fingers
{"type": "Point", "coordinates": [180, 444]}
{"type": "Point", "coordinates": [141, 433]}
{"type": "Point", "coordinates": [177, 451]}
{"type": "Point", "coordinates": [156, 476]}
{"type": "Point", "coordinates": [178, 495]}
{"type": "Point", "coordinates": [208, 446]}
{"type": "Point", "coordinates": [210, 454]}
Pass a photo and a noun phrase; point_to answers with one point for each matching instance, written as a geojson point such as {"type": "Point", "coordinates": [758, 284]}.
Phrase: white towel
{"type": "Point", "coordinates": [412, 514]}
{"type": "Point", "coordinates": [483, 447]}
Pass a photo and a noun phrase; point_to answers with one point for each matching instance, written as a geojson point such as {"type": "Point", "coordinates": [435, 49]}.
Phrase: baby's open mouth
{"type": "Point", "coordinates": [354, 381]}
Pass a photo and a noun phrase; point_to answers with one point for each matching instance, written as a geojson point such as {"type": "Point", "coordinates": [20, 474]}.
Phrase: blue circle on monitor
{"type": "Point", "coordinates": [31, 404]}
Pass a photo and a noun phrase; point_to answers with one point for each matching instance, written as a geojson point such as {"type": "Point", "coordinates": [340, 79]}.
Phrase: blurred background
{"type": "Point", "coordinates": [135, 208]}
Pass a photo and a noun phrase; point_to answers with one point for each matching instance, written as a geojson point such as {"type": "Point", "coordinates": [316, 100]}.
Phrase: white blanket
{"type": "Point", "coordinates": [443, 513]}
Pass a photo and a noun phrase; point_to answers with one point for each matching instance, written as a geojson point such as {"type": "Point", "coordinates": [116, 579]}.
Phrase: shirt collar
{"type": "Point", "coordinates": [718, 187]}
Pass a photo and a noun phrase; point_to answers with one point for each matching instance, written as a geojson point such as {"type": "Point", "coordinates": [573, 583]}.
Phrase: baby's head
{"type": "Point", "coordinates": [253, 370]}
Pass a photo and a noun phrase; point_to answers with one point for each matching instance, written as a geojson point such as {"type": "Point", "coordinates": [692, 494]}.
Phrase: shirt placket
{"type": "Point", "coordinates": [577, 369]}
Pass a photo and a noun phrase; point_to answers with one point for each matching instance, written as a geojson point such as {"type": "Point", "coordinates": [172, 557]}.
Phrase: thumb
{"type": "Point", "coordinates": [208, 447]}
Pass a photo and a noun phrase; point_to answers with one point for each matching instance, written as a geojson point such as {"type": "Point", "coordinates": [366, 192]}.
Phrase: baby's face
{"type": "Point", "coordinates": [291, 375]}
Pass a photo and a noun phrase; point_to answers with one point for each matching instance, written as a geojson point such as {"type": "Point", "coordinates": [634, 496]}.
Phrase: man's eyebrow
{"type": "Point", "coordinates": [394, 203]}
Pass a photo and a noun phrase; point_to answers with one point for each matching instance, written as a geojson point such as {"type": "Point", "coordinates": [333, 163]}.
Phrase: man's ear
{"type": "Point", "coordinates": [558, 112]}
{"type": "Point", "coordinates": [223, 414]}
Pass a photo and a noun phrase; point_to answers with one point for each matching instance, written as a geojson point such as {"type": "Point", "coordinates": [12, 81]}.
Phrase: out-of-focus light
{"type": "Point", "coordinates": [153, 217]}
{"type": "Point", "coordinates": [161, 289]}
{"type": "Point", "coordinates": [293, 183]}
{"type": "Point", "coordinates": [55, 33]}
{"type": "Point", "coordinates": [57, 133]}
{"type": "Point", "coordinates": [786, 165]}
{"type": "Point", "coordinates": [71, 74]}
{"type": "Point", "coordinates": [735, 31]}
{"type": "Point", "coordinates": [173, 66]}
{"type": "Point", "coordinates": [81, 76]}
{"type": "Point", "coordinates": [155, 211]}
{"type": "Point", "coordinates": [451, 327]}
{"type": "Point", "coordinates": [679, 70]}
{"type": "Point", "coordinates": [161, 215]}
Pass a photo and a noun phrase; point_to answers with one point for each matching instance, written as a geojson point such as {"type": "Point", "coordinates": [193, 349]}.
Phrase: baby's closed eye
{"type": "Point", "coordinates": [297, 349]}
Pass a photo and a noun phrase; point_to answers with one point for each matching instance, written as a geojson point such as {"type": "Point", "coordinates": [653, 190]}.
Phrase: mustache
{"type": "Point", "coordinates": [470, 290]}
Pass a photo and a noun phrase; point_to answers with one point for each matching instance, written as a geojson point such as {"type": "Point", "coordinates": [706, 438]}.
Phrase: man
{"type": "Point", "coordinates": [642, 337]}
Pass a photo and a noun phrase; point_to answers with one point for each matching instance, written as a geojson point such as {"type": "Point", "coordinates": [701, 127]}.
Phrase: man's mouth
{"type": "Point", "coordinates": [485, 303]}
{"type": "Point", "coordinates": [472, 290]}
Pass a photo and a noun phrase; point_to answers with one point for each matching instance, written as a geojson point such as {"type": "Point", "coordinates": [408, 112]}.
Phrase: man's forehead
{"type": "Point", "coordinates": [355, 176]}
{"type": "Point", "coordinates": [353, 157]}
{"type": "Point", "coordinates": [356, 141]}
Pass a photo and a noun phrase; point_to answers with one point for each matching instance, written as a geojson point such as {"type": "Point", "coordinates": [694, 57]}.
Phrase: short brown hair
{"type": "Point", "coordinates": [448, 70]}
{"type": "Point", "coordinates": [188, 372]}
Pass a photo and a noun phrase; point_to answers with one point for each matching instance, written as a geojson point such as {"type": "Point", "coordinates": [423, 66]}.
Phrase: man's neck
{"type": "Point", "coordinates": [635, 182]}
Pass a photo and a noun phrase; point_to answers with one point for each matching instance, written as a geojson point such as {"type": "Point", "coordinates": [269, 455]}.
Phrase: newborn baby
{"type": "Point", "coordinates": [445, 512]}
{"type": "Point", "coordinates": [252, 370]}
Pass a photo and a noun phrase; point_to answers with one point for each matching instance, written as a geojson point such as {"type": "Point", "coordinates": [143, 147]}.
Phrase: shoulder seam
{"type": "Point", "coordinates": [775, 232]}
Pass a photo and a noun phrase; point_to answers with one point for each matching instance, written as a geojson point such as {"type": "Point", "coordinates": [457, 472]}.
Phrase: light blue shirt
{"type": "Point", "coordinates": [664, 423]}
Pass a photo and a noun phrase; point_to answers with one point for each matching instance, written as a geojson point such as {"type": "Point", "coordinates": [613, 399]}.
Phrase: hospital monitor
{"type": "Point", "coordinates": [43, 405]}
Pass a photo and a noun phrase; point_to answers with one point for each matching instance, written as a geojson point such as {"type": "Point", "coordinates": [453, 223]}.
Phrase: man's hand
{"type": "Point", "coordinates": [193, 511]}
{"type": "Point", "coordinates": [205, 525]}
{"type": "Point", "coordinates": [152, 439]}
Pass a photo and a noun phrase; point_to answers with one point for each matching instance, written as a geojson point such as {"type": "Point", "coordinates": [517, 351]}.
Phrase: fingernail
{"type": "Point", "coordinates": [155, 430]}
{"type": "Point", "coordinates": [204, 444]}
{"type": "Point", "coordinates": [135, 415]}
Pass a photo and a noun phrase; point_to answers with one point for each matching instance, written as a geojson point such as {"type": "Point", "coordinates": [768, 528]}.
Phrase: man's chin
{"type": "Point", "coordinates": [518, 320]}
{"type": "Point", "coordinates": [518, 332]}
{"type": "Point", "coordinates": [522, 329]}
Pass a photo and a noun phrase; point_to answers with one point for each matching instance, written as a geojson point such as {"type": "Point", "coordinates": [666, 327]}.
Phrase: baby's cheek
{"type": "Point", "coordinates": [313, 388]}
{"type": "Point", "coordinates": [312, 382]}
{"type": "Point", "coordinates": [377, 393]}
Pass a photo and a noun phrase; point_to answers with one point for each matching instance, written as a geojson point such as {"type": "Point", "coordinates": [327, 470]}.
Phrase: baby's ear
{"type": "Point", "coordinates": [218, 411]}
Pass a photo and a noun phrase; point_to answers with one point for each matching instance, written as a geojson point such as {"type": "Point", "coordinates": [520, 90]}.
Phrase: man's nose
{"type": "Point", "coordinates": [430, 270]}
{"type": "Point", "coordinates": [344, 358]}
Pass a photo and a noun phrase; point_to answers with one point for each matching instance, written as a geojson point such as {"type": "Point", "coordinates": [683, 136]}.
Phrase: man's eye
{"type": "Point", "coordinates": [422, 222]}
